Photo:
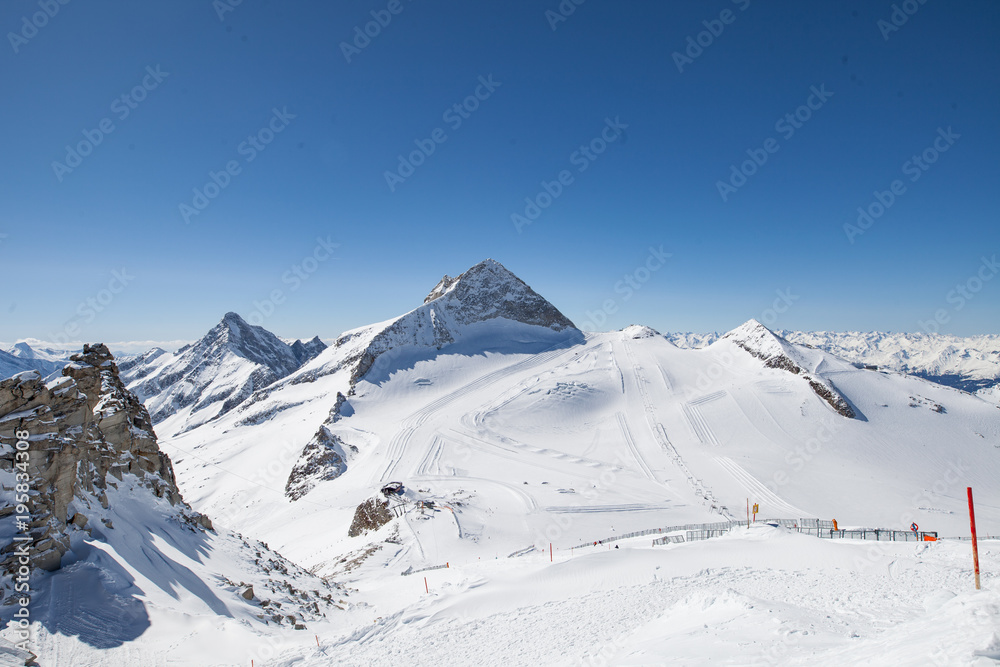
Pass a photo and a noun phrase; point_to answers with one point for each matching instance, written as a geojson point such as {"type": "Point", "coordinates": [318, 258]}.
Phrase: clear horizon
{"type": "Point", "coordinates": [822, 168]}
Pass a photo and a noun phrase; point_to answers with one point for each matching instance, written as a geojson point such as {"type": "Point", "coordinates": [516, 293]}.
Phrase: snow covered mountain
{"type": "Point", "coordinates": [484, 306]}
{"type": "Point", "coordinates": [776, 352]}
{"type": "Point", "coordinates": [22, 357]}
{"type": "Point", "coordinates": [210, 377]}
{"type": "Point", "coordinates": [964, 363]}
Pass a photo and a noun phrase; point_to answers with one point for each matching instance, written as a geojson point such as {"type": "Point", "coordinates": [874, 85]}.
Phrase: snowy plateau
{"type": "Point", "coordinates": [478, 481]}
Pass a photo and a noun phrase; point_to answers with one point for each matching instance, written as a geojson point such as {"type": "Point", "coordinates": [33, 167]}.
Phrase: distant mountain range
{"type": "Point", "coordinates": [971, 364]}
{"type": "Point", "coordinates": [22, 357]}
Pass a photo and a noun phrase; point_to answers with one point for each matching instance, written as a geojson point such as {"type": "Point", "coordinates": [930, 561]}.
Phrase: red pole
{"type": "Point", "coordinates": [550, 552]}
{"type": "Point", "coordinates": [975, 543]}
{"type": "Point", "coordinates": [425, 585]}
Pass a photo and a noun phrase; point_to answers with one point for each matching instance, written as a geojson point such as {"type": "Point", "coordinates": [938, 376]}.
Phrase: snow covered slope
{"type": "Point", "coordinates": [208, 378]}
{"type": "Point", "coordinates": [761, 596]}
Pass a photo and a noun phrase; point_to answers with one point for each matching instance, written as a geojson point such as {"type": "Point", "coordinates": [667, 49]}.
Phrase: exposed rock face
{"type": "Point", "coordinates": [84, 432]}
{"type": "Point", "coordinates": [776, 352]}
{"type": "Point", "coordinates": [323, 459]}
{"type": "Point", "coordinates": [489, 290]}
{"type": "Point", "coordinates": [442, 287]}
{"type": "Point", "coordinates": [307, 351]}
{"type": "Point", "coordinates": [370, 515]}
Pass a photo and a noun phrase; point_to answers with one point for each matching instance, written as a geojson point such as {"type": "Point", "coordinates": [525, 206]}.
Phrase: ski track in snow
{"type": "Point", "coordinates": [699, 426]}
{"type": "Point", "coordinates": [398, 443]}
{"type": "Point", "coordinates": [660, 435]}
{"type": "Point", "coordinates": [759, 491]}
{"type": "Point", "coordinates": [627, 436]}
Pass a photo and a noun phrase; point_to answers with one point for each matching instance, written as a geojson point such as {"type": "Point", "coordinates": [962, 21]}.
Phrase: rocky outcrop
{"type": "Point", "coordinates": [84, 432]}
{"type": "Point", "coordinates": [370, 515]}
{"type": "Point", "coordinates": [639, 331]}
{"type": "Point", "coordinates": [323, 459]}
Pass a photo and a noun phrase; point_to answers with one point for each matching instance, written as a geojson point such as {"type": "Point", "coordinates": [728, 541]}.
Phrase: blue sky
{"type": "Point", "coordinates": [207, 88]}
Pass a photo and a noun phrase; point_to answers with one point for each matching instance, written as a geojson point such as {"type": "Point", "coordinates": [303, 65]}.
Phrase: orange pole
{"type": "Point", "coordinates": [975, 543]}
{"type": "Point", "coordinates": [428, 590]}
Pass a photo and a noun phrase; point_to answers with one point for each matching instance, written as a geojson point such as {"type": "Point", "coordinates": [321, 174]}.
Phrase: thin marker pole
{"type": "Point", "coordinates": [975, 543]}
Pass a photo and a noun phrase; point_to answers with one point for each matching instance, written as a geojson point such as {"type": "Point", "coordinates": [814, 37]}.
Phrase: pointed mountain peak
{"type": "Point", "coordinates": [233, 320]}
{"type": "Point", "coordinates": [23, 350]}
{"type": "Point", "coordinates": [308, 350]}
{"type": "Point", "coordinates": [776, 352]}
{"type": "Point", "coordinates": [255, 343]}
{"type": "Point", "coordinates": [750, 326]}
{"type": "Point", "coordinates": [757, 339]}
{"type": "Point", "coordinates": [489, 290]}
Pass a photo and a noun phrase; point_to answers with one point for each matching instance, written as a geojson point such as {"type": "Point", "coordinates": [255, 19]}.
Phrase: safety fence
{"type": "Point", "coordinates": [410, 570]}
{"type": "Point", "coordinates": [521, 552]}
{"type": "Point", "coordinates": [692, 532]}
{"type": "Point", "coordinates": [721, 525]}
{"type": "Point", "coordinates": [817, 527]}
